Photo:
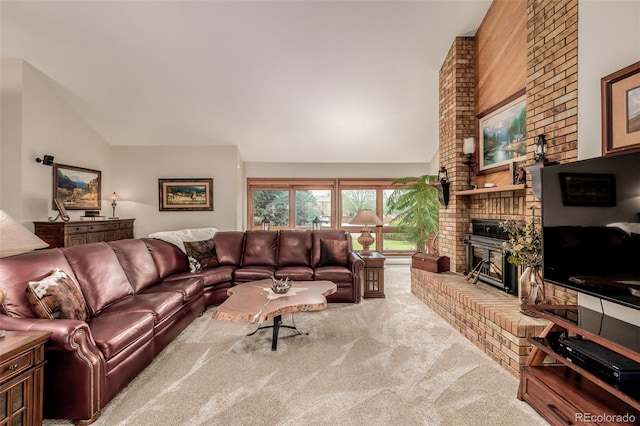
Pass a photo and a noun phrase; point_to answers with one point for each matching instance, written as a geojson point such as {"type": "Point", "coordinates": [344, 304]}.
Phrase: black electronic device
{"type": "Point", "coordinates": [610, 366]}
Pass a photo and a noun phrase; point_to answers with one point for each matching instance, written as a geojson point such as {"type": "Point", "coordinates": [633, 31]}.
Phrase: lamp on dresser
{"type": "Point", "coordinates": [114, 202]}
{"type": "Point", "coordinates": [366, 218]}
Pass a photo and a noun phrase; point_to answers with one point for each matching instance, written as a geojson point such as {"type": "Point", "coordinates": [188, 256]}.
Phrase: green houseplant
{"type": "Point", "coordinates": [415, 204]}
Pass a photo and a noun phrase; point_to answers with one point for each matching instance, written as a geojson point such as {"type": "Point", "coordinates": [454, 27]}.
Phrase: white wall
{"type": "Point", "coordinates": [39, 123]}
{"type": "Point", "coordinates": [608, 40]}
{"type": "Point", "coordinates": [335, 170]}
{"type": "Point", "coordinates": [137, 170]}
{"type": "Point", "coordinates": [10, 137]}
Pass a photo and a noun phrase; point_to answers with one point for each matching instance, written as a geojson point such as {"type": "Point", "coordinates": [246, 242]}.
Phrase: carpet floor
{"type": "Point", "coordinates": [380, 362]}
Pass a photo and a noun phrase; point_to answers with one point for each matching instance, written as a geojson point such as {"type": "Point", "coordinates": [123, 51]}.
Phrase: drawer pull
{"type": "Point", "coordinates": [562, 418]}
{"type": "Point", "coordinates": [13, 367]}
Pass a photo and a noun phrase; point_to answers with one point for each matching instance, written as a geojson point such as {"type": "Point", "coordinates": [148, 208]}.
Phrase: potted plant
{"type": "Point", "coordinates": [415, 204]}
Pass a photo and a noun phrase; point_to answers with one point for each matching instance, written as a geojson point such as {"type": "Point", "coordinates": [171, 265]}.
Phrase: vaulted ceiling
{"type": "Point", "coordinates": [285, 81]}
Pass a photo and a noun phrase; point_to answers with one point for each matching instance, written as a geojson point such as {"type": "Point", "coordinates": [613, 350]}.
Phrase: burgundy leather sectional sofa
{"type": "Point", "coordinates": [140, 294]}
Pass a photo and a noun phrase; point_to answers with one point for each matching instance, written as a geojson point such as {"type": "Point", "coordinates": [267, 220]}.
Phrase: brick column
{"type": "Point", "coordinates": [457, 121]}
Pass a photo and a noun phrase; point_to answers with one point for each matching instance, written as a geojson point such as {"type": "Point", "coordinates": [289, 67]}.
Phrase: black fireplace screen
{"type": "Point", "coordinates": [486, 260]}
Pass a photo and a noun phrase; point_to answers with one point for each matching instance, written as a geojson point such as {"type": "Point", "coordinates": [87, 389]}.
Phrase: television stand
{"type": "Point", "coordinates": [565, 393]}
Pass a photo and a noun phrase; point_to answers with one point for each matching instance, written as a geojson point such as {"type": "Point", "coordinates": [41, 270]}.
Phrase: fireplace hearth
{"type": "Point", "coordinates": [485, 259]}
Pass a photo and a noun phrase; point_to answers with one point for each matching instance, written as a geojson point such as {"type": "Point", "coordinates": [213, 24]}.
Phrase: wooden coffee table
{"type": "Point", "coordinates": [255, 303]}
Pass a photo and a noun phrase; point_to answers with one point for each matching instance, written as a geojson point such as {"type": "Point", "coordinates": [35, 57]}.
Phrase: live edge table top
{"type": "Point", "coordinates": [255, 302]}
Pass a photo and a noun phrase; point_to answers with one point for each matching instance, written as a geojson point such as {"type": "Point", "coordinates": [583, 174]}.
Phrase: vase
{"type": "Point", "coordinates": [530, 288]}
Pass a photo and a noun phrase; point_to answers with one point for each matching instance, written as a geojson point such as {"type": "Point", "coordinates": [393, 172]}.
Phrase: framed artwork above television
{"type": "Point", "coordinates": [621, 110]}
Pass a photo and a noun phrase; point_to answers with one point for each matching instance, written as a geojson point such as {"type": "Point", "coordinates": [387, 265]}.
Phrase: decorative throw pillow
{"type": "Point", "coordinates": [333, 252]}
{"type": "Point", "coordinates": [57, 297]}
{"type": "Point", "coordinates": [202, 254]}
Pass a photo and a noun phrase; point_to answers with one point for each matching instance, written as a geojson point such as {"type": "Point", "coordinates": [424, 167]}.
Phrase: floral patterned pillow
{"type": "Point", "coordinates": [57, 297]}
{"type": "Point", "coordinates": [202, 254]}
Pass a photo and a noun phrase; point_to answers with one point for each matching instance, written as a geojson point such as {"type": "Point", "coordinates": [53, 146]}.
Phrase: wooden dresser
{"type": "Point", "coordinates": [21, 377]}
{"type": "Point", "coordinates": [73, 233]}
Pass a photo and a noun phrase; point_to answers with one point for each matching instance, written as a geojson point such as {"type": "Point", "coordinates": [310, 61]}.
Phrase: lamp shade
{"type": "Point", "coordinates": [468, 146]}
{"type": "Point", "coordinates": [114, 197]}
{"type": "Point", "coordinates": [366, 217]}
{"type": "Point", "coordinates": [15, 238]}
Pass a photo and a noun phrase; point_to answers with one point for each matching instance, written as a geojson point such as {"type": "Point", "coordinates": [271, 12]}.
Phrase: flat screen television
{"type": "Point", "coordinates": [591, 227]}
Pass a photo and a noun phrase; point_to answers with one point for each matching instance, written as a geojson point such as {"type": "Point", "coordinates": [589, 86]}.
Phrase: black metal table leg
{"type": "Point", "coordinates": [276, 327]}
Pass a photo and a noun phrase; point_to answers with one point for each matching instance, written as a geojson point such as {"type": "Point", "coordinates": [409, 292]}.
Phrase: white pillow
{"type": "Point", "coordinates": [628, 227]}
{"type": "Point", "coordinates": [178, 237]}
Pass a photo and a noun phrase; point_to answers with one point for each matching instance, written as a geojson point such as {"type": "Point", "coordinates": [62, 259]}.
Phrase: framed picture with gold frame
{"type": "Point", "coordinates": [76, 188]}
{"type": "Point", "coordinates": [185, 194]}
{"type": "Point", "coordinates": [621, 110]}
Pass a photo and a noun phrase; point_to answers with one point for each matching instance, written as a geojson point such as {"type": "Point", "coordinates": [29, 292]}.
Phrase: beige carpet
{"type": "Point", "coordinates": [381, 362]}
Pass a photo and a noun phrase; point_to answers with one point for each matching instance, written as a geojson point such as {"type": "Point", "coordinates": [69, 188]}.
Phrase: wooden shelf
{"type": "Point", "coordinates": [562, 394]}
{"type": "Point", "coordinates": [490, 190]}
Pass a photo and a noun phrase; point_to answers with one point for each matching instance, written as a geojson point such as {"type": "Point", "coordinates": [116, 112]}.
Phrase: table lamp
{"type": "Point", "coordinates": [366, 218]}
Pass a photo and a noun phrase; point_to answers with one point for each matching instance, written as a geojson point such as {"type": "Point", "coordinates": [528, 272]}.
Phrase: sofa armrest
{"type": "Point", "coordinates": [66, 335]}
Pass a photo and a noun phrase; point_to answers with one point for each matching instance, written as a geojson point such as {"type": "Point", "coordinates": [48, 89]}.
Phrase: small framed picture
{"type": "Point", "coordinates": [518, 173]}
{"type": "Point", "coordinates": [588, 189]}
{"type": "Point", "coordinates": [186, 194]}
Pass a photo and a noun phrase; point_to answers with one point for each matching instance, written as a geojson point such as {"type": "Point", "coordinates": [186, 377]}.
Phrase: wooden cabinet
{"type": "Point", "coordinates": [567, 392]}
{"type": "Point", "coordinates": [373, 271]}
{"type": "Point", "coordinates": [21, 378]}
{"type": "Point", "coordinates": [73, 233]}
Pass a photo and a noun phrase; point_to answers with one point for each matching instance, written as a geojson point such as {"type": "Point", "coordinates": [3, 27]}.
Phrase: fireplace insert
{"type": "Point", "coordinates": [485, 259]}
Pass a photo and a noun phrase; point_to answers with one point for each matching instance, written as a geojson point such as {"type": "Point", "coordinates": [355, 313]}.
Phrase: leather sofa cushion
{"type": "Point", "coordinates": [294, 248]}
{"type": "Point", "coordinates": [169, 258]}
{"type": "Point", "coordinates": [161, 305]}
{"type": "Point", "coordinates": [260, 248]}
{"type": "Point", "coordinates": [57, 297]}
{"type": "Point", "coordinates": [189, 288]}
{"type": "Point", "coordinates": [17, 271]}
{"type": "Point", "coordinates": [137, 263]}
{"type": "Point", "coordinates": [229, 246]}
{"type": "Point", "coordinates": [253, 273]}
{"type": "Point", "coordinates": [212, 276]}
{"type": "Point", "coordinates": [296, 273]}
{"type": "Point", "coordinates": [113, 333]}
{"type": "Point", "coordinates": [333, 273]}
{"type": "Point", "coordinates": [99, 274]}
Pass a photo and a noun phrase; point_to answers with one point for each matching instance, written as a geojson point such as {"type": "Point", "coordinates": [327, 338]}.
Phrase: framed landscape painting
{"type": "Point", "coordinates": [502, 133]}
{"type": "Point", "coordinates": [186, 194]}
{"type": "Point", "coordinates": [621, 110]}
{"type": "Point", "coordinates": [76, 188]}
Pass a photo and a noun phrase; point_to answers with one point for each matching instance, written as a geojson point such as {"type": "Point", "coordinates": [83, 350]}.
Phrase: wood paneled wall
{"type": "Point", "coordinates": [501, 53]}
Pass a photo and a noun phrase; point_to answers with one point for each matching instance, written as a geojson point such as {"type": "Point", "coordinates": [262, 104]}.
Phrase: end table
{"type": "Point", "coordinates": [373, 274]}
{"type": "Point", "coordinates": [21, 377]}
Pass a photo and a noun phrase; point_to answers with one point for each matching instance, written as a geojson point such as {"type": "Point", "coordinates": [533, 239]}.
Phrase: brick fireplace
{"type": "Point", "coordinates": [537, 51]}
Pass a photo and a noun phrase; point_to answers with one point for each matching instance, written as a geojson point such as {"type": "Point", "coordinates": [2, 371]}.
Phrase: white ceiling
{"type": "Point", "coordinates": [285, 81]}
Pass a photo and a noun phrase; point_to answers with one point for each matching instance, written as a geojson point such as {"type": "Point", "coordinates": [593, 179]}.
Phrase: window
{"type": "Point", "coordinates": [290, 203]}
{"type": "Point", "coordinates": [295, 203]}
